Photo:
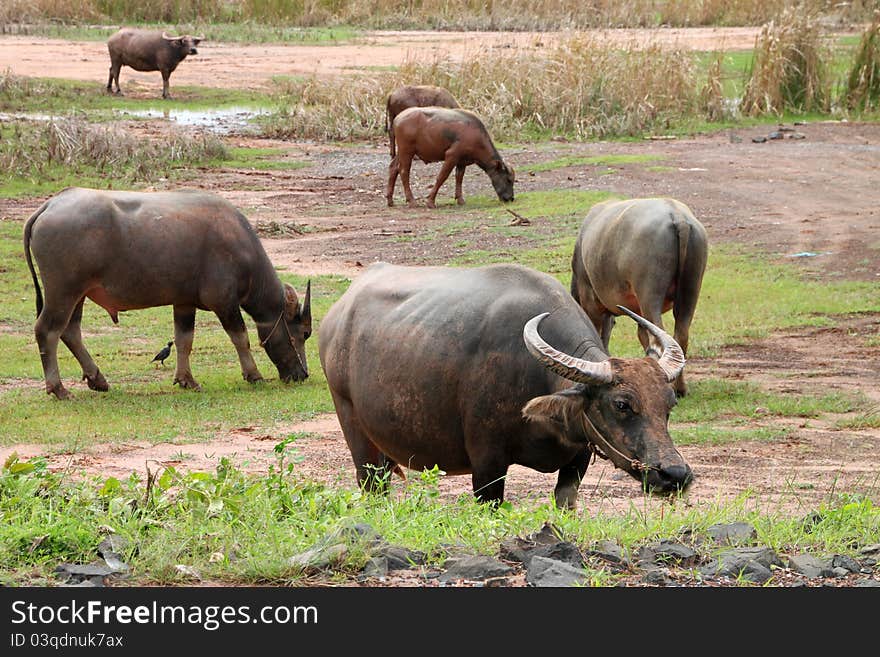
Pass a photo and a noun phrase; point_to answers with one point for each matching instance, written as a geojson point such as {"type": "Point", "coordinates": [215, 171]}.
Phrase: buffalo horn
{"type": "Point", "coordinates": [569, 367]}
{"type": "Point", "coordinates": [168, 38]}
{"type": "Point", "coordinates": [306, 311]}
{"type": "Point", "coordinates": [672, 359]}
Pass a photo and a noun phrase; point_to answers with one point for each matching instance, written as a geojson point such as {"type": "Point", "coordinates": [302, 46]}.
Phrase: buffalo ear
{"type": "Point", "coordinates": [196, 41]}
{"type": "Point", "coordinates": [291, 303]}
{"type": "Point", "coordinates": [559, 408]}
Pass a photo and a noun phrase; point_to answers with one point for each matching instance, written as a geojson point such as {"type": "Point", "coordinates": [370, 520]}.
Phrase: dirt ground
{"type": "Point", "coordinates": [812, 204]}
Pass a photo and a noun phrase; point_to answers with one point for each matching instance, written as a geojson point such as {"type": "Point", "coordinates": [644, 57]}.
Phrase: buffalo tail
{"type": "Point", "coordinates": [28, 229]}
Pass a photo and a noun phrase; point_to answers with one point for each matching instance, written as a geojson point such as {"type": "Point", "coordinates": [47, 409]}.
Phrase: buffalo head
{"type": "Point", "coordinates": [618, 407]}
{"type": "Point", "coordinates": [185, 45]}
{"type": "Point", "coordinates": [502, 177]}
{"type": "Point", "coordinates": [284, 339]}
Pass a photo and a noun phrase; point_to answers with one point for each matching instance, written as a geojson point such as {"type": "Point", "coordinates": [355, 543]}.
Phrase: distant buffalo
{"type": "Point", "coordinates": [147, 50]}
{"type": "Point", "coordinates": [455, 137]}
{"type": "Point", "coordinates": [646, 254]}
{"type": "Point", "coordinates": [422, 95]}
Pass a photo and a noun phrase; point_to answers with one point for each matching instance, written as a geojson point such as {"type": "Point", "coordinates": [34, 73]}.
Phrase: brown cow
{"type": "Point", "coordinates": [455, 137]}
{"type": "Point", "coordinates": [147, 50]}
{"type": "Point", "coordinates": [422, 95]}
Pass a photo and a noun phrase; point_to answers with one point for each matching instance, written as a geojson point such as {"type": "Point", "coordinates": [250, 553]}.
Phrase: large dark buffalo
{"type": "Point", "coordinates": [455, 137]}
{"type": "Point", "coordinates": [147, 50]}
{"type": "Point", "coordinates": [648, 255]}
{"type": "Point", "coordinates": [421, 95]}
{"type": "Point", "coordinates": [186, 249]}
{"type": "Point", "coordinates": [473, 370]}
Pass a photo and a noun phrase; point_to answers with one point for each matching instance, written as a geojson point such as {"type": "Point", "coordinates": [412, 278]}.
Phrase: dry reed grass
{"type": "Point", "coordinates": [577, 88]}
{"type": "Point", "coordinates": [789, 69]}
{"type": "Point", "coordinates": [31, 148]}
{"type": "Point", "coordinates": [443, 14]}
{"type": "Point", "coordinates": [863, 82]}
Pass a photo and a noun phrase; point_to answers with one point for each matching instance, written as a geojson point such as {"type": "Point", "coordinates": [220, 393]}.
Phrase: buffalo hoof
{"type": "Point", "coordinates": [186, 381]}
{"type": "Point", "coordinates": [97, 382]}
{"type": "Point", "coordinates": [390, 202]}
{"type": "Point", "coordinates": [59, 391]}
{"type": "Point", "coordinates": [430, 203]}
{"type": "Point", "coordinates": [460, 200]}
{"type": "Point", "coordinates": [253, 378]}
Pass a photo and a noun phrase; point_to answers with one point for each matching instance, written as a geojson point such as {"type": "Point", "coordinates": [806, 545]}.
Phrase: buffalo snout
{"type": "Point", "coordinates": [669, 479]}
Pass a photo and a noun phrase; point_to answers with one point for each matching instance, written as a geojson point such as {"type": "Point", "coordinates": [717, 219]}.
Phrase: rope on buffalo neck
{"type": "Point", "coordinates": [634, 463]}
{"type": "Point", "coordinates": [289, 337]}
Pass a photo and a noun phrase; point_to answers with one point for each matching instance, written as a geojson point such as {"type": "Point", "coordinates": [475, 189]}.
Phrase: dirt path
{"type": "Point", "coordinates": [228, 65]}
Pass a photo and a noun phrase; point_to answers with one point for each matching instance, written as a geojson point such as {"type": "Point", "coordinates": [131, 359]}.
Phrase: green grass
{"type": "Point", "coordinates": [261, 159]}
{"type": "Point", "coordinates": [243, 33]}
{"type": "Point", "coordinates": [595, 160]}
{"type": "Point", "coordinates": [242, 529]}
{"type": "Point", "coordinates": [61, 97]}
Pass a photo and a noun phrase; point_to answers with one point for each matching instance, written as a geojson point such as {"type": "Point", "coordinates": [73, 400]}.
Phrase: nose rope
{"type": "Point", "coordinates": [634, 463]}
{"type": "Point", "coordinates": [289, 337]}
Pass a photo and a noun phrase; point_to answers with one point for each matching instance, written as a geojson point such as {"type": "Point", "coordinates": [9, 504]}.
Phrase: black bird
{"type": "Point", "coordinates": [162, 355]}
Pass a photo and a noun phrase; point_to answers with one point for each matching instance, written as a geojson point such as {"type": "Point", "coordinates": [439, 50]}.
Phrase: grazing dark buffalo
{"type": "Point", "coordinates": [147, 50]}
{"type": "Point", "coordinates": [648, 255]}
{"type": "Point", "coordinates": [455, 137]}
{"type": "Point", "coordinates": [473, 370]}
{"type": "Point", "coordinates": [414, 96]}
{"type": "Point", "coordinates": [186, 249]}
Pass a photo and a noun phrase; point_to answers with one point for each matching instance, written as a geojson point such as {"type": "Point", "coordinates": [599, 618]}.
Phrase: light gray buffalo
{"type": "Point", "coordinates": [647, 255]}
{"type": "Point", "coordinates": [473, 370]}
{"type": "Point", "coordinates": [148, 50]}
{"type": "Point", "coordinates": [187, 249]}
{"type": "Point", "coordinates": [414, 95]}
{"type": "Point", "coordinates": [455, 137]}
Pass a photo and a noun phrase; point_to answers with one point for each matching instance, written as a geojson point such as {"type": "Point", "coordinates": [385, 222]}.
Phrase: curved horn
{"type": "Point", "coordinates": [567, 366]}
{"type": "Point", "coordinates": [169, 38]}
{"type": "Point", "coordinates": [306, 312]}
{"type": "Point", "coordinates": [672, 359]}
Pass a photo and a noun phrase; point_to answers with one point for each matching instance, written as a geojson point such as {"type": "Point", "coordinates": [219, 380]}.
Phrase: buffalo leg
{"type": "Point", "coordinates": [569, 480]}
{"type": "Point", "coordinates": [72, 338]}
{"type": "Point", "coordinates": [682, 329]}
{"type": "Point", "coordinates": [235, 328]}
{"type": "Point", "coordinates": [165, 76]}
{"type": "Point", "coordinates": [404, 164]}
{"type": "Point", "coordinates": [373, 468]}
{"type": "Point", "coordinates": [459, 179]}
{"type": "Point", "coordinates": [48, 328]}
{"type": "Point", "coordinates": [184, 328]}
{"type": "Point", "coordinates": [114, 77]}
{"type": "Point", "coordinates": [606, 325]}
{"type": "Point", "coordinates": [445, 170]}
{"type": "Point", "coordinates": [393, 170]}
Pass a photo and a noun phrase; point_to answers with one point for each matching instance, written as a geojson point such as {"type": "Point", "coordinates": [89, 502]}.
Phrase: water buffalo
{"type": "Point", "coordinates": [147, 50]}
{"type": "Point", "coordinates": [648, 255]}
{"type": "Point", "coordinates": [455, 137]}
{"type": "Point", "coordinates": [414, 96]}
{"type": "Point", "coordinates": [445, 366]}
{"type": "Point", "coordinates": [187, 249]}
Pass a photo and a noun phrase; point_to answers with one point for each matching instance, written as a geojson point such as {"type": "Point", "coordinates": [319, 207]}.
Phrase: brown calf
{"type": "Point", "coordinates": [455, 137]}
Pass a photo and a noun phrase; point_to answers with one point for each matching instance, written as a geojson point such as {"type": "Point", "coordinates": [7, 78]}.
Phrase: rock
{"type": "Point", "coordinates": [657, 577]}
{"type": "Point", "coordinates": [866, 581]}
{"type": "Point", "coordinates": [667, 552]}
{"type": "Point", "coordinates": [96, 569]}
{"type": "Point", "coordinates": [400, 558]}
{"type": "Point", "coordinates": [113, 543]}
{"type": "Point", "coordinates": [810, 566]}
{"type": "Point", "coordinates": [752, 563]}
{"type": "Point", "coordinates": [759, 140]}
{"type": "Point", "coordinates": [843, 561]}
{"type": "Point", "coordinates": [319, 558]}
{"type": "Point", "coordinates": [609, 551]}
{"type": "Point", "coordinates": [797, 135]}
{"type": "Point", "coordinates": [475, 568]}
{"type": "Point", "coordinates": [839, 572]}
{"type": "Point", "coordinates": [375, 567]}
{"type": "Point", "coordinates": [353, 534]}
{"type": "Point", "coordinates": [776, 134]}
{"type": "Point", "coordinates": [734, 533]}
{"type": "Point", "coordinates": [544, 543]}
{"type": "Point", "coordinates": [544, 572]}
